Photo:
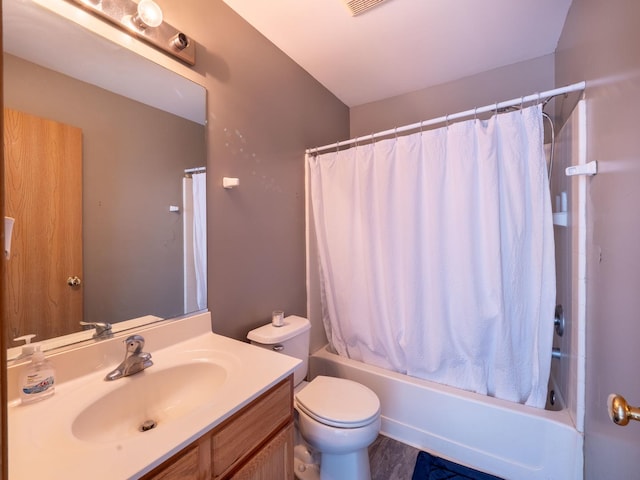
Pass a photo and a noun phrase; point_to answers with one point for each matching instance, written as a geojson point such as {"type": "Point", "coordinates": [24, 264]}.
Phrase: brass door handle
{"type": "Point", "coordinates": [74, 281]}
{"type": "Point", "coordinates": [620, 412]}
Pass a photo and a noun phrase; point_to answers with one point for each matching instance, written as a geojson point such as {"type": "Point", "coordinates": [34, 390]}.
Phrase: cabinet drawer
{"type": "Point", "coordinates": [250, 428]}
{"type": "Point", "coordinates": [184, 467]}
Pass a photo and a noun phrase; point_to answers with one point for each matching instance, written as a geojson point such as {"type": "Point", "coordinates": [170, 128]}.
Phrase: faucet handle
{"type": "Point", "coordinates": [135, 344]}
{"type": "Point", "coordinates": [103, 329]}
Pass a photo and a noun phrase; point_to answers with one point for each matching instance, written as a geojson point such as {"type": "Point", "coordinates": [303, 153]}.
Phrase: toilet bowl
{"type": "Point", "coordinates": [337, 419]}
{"type": "Point", "coordinates": [340, 419]}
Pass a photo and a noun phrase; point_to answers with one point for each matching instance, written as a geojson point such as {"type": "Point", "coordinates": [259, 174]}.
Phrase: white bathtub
{"type": "Point", "coordinates": [495, 436]}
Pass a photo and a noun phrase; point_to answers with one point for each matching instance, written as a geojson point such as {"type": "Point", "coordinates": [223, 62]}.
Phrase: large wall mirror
{"type": "Point", "coordinates": [104, 159]}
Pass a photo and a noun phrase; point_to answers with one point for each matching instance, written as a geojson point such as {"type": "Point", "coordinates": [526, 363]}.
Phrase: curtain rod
{"type": "Point", "coordinates": [488, 108]}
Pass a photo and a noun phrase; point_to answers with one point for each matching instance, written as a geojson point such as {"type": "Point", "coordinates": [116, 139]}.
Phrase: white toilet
{"type": "Point", "coordinates": [338, 418]}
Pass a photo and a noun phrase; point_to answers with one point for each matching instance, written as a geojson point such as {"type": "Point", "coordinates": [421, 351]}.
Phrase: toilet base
{"type": "Point", "coordinates": [348, 466]}
{"type": "Point", "coordinates": [305, 463]}
{"type": "Point", "coordinates": [305, 471]}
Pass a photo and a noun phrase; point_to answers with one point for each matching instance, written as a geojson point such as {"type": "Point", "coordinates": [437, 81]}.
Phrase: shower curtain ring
{"type": "Point", "coordinates": [521, 103]}
{"type": "Point", "coordinates": [475, 114]}
{"type": "Point", "coordinates": [421, 122]}
{"type": "Point", "coordinates": [446, 121]}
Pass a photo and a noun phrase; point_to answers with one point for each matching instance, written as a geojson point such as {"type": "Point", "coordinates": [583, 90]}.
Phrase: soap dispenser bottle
{"type": "Point", "coordinates": [38, 380]}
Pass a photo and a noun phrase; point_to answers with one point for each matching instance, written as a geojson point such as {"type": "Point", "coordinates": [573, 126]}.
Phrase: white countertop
{"type": "Point", "coordinates": [41, 441]}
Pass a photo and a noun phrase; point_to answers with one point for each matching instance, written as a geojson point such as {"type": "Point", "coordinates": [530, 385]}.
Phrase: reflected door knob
{"type": "Point", "coordinates": [73, 281]}
{"type": "Point", "coordinates": [620, 412]}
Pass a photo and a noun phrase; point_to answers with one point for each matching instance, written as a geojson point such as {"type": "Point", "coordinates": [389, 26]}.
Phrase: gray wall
{"type": "Point", "coordinates": [134, 157]}
{"type": "Point", "coordinates": [263, 111]}
{"type": "Point", "coordinates": [599, 44]}
{"type": "Point", "coordinates": [485, 88]}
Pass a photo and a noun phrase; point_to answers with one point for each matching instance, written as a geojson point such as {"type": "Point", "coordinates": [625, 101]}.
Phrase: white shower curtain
{"type": "Point", "coordinates": [200, 237]}
{"type": "Point", "coordinates": [436, 254]}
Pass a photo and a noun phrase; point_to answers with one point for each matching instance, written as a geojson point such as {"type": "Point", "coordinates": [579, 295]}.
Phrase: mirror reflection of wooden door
{"type": "Point", "coordinates": [43, 192]}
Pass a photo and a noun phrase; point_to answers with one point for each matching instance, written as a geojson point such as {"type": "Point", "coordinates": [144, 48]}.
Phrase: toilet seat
{"type": "Point", "coordinates": [338, 402]}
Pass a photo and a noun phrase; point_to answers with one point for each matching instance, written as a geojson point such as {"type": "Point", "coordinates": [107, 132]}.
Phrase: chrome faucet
{"type": "Point", "coordinates": [135, 360]}
{"type": "Point", "coordinates": [103, 329]}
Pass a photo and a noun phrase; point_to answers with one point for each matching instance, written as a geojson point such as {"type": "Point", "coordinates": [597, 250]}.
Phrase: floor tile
{"type": "Point", "coordinates": [391, 460]}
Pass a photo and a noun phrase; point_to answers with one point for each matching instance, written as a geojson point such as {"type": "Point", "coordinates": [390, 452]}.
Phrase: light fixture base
{"type": "Point", "coordinates": [165, 37]}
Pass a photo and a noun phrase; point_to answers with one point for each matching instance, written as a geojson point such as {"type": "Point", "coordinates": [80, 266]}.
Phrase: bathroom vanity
{"type": "Point", "coordinates": [256, 442]}
{"type": "Point", "coordinates": [209, 407]}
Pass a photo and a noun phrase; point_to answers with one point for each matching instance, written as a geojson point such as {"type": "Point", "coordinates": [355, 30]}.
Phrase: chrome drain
{"type": "Point", "coordinates": [147, 425]}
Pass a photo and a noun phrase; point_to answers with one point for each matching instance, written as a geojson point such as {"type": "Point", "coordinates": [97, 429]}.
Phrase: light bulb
{"type": "Point", "coordinates": [149, 14]}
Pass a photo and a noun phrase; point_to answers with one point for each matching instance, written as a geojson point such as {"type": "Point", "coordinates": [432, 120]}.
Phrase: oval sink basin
{"type": "Point", "coordinates": [147, 400]}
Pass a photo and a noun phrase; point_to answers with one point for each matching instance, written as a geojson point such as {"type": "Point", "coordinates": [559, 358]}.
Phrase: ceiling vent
{"type": "Point", "coordinates": [356, 7]}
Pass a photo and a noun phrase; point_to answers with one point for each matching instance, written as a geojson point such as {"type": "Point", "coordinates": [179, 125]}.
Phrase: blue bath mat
{"type": "Point", "coordinates": [429, 467]}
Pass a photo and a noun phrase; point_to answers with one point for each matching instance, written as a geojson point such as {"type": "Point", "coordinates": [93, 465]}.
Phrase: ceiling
{"type": "Point", "coordinates": [401, 46]}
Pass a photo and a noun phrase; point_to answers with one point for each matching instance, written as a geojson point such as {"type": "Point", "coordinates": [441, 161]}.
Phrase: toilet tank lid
{"type": "Point", "coordinates": [268, 334]}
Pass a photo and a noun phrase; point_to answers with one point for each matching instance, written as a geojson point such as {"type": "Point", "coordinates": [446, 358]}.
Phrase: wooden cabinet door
{"type": "Point", "coordinates": [274, 461]}
{"type": "Point", "coordinates": [235, 440]}
{"type": "Point", "coordinates": [43, 192]}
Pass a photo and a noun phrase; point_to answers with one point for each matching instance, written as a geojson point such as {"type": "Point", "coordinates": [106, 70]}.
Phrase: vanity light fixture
{"type": "Point", "coordinates": [149, 14]}
{"type": "Point", "coordinates": [356, 7]}
{"type": "Point", "coordinates": [144, 20]}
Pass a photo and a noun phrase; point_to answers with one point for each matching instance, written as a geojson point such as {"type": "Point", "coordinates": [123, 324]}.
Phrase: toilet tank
{"type": "Point", "coordinates": [292, 339]}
